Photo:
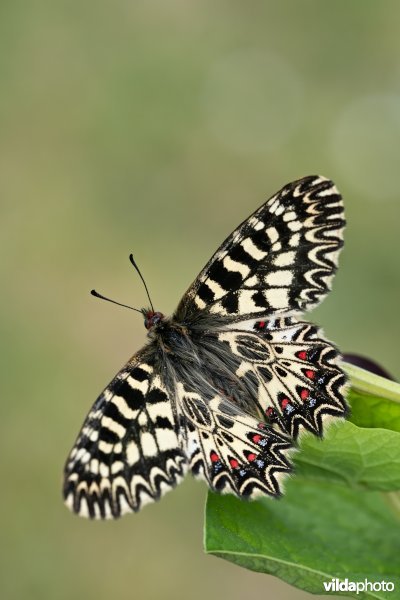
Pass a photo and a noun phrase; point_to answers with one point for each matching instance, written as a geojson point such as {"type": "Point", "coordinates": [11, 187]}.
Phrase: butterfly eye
{"type": "Point", "coordinates": [153, 319]}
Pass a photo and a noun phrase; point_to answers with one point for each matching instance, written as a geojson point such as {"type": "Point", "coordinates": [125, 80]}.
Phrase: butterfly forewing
{"type": "Point", "coordinates": [224, 387]}
{"type": "Point", "coordinates": [282, 258]}
{"type": "Point", "coordinates": [128, 452]}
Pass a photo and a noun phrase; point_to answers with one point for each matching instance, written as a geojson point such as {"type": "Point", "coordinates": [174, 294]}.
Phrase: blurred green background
{"type": "Point", "coordinates": [155, 128]}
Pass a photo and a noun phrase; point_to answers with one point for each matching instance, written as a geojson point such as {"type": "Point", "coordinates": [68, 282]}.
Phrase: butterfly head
{"type": "Point", "coordinates": [152, 318]}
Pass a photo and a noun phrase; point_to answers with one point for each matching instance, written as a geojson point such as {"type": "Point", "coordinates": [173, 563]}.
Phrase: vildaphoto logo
{"type": "Point", "coordinates": [344, 585]}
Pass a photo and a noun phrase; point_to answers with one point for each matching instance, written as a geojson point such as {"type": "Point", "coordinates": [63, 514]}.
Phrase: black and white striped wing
{"type": "Point", "coordinates": [234, 452]}
{"type": "Point", "coordinates": [281, 259]}
{"type": "Point", "coordinates": [296, 374]}
{"type": "Point", "coordinates": [129, 451]}
{"type": "Point", "coordinates": [250, 380]}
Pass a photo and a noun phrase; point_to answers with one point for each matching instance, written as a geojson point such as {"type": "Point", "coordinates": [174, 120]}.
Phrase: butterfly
{"type": "Point", "coordinates": [225, 386]}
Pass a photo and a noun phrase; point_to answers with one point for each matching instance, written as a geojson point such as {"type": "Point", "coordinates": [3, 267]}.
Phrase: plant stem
{"type": "Point", "coordinates": [372, 384]}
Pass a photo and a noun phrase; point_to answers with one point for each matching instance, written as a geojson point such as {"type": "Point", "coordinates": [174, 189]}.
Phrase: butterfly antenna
{"type": "Point", "coordinates": [141, 277]}
{"type": "Point", "coordinates": [97, 295]}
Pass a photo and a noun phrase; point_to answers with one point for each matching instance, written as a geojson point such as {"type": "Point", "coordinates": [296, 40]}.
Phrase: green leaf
{"type": "Point", "coordinates": [375, 401]}
{"type": "Point", "coordinates": [374, 411]}
{"type": "Point", "coordinates": [329, 524]}
{"type": "Point", "coordinates": [318, 531]}
{"type": "Point", "coordinates": [365, 458]}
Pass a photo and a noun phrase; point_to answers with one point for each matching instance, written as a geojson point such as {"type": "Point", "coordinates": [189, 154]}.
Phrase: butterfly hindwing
{"type": "Point", "coordinates": [129, 451]}
{"type": "Point", "coordinates": [282, 258]}
{"type": "Point", "coordinates": [233, 451]}
{"type": "Point", "coordinates": [298, 379]}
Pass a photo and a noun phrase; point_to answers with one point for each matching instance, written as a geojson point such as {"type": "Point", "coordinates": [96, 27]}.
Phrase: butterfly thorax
{"type": "Point", "coordinates": [200, 361]}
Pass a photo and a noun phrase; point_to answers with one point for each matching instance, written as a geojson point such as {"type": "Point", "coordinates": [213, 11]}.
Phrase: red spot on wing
{"type": "Point", "coordinates": [234, 463]}
{"type": "Point", "coordinates": [310, 374]}
{"type": "Point", "coordinates": [284, 403]}
{"type": "Point", "coordinates": [261, 324]}
{"type": "Point", "coordinates": [302, 355]}
{"type": "Point", "coordinates": [214, 457]}
{"type": "Point", "coordinates": [251, 457]}
{"type": "Point", "coordinates": [304, 394]}
{"type": "Point", "coordinates": [256, 438]}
